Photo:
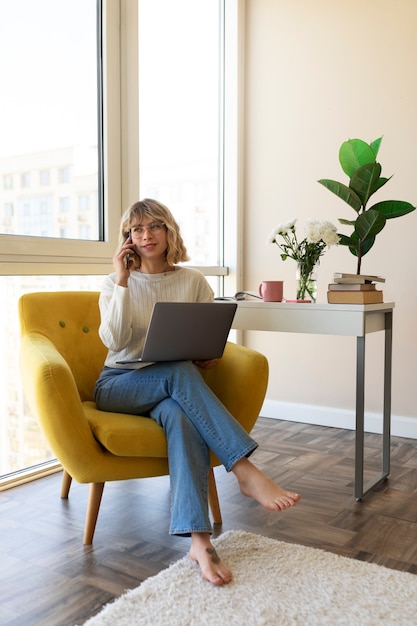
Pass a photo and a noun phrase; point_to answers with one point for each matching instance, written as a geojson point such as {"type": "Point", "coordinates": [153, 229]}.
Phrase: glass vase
{"type": "Point", "coordinates": [306, 282]}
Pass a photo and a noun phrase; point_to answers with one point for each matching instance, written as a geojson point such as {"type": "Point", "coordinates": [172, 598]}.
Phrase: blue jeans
{"type": "Point", "coordinates": [194, 420]}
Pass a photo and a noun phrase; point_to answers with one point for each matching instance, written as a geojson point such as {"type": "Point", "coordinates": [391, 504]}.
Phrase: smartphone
{"type": "Point", "coordinates": [127, 257]}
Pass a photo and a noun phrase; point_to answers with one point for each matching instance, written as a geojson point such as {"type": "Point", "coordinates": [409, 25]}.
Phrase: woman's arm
{"type": "Point", "coordinates": [116, 316]}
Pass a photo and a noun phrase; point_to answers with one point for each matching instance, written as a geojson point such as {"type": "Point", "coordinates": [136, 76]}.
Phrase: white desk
{"type": "Point", "coordinates": [355, 320]}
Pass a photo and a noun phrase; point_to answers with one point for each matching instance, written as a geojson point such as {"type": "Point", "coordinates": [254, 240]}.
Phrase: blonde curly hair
{"type": "Point", "coordinates": [176, 251]}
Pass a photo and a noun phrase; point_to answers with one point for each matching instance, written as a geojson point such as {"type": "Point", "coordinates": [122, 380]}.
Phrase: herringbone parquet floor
{"type": "Point", "coordinates": [48, 578]}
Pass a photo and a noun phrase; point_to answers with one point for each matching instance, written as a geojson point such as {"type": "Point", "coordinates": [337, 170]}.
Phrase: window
{"type": "Point", "coordinates": [21, 442]}
{"type": "Point", "coordinates": [64, 175]}
{"type": "Point", "coordinates": [25, 179]}
{"type": "Point", "coordinates": [44, 177]}
{"type": "Point", "coordinates": [179, 117]}
{"type": "Point", "coordinates": [7, 181]}
{"type": "Point", "coordinates": [64, 204]}
{"type": "Point", "coordinates": [49, 119]}
{"type": "Point", "coordinates": [84, 202]}
{"type": "Point", "coordinates": [49, 129]}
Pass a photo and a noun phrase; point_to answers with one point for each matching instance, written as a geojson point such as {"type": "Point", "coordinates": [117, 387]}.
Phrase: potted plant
{"type": "Point", "coordinates": [358, 161]}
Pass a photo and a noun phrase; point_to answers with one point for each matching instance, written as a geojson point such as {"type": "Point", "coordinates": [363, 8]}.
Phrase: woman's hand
{"type": "Point", "coordinates": [121, 264]}
{"type": "Point", "coordinates": [206, 365]}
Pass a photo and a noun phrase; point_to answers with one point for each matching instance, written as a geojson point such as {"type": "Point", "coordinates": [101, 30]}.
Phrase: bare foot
{"type": "Point", "coordinates": [203, 552]}
{"type": "Point", "coordinates": [254, 484]}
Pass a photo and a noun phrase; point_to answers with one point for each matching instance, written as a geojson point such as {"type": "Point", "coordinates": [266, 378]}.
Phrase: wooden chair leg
{"type": "Point", "coordinates": [66, 484]}
{"type": "Point", "coordinates": [213, 498]}
{"type": "Point", "coordinates": [94, 501]}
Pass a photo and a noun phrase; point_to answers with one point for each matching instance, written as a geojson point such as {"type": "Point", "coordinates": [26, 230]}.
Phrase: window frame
{"type": "Point", "coordinates": [26, 255]}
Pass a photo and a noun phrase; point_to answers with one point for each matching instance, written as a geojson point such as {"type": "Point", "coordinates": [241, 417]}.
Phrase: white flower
{"type": "Point", "coordinates": [317, 230]}
{"type": "Point", "coordinates": [271, 237]}
{"type": "Point", "coordinates": [329, 234]}
{"type": "Point", "coordinates": [285, 228]}
{"type": "Point", "coordinates": [313, 230]}
{"type": "Point", "coordinates": [281, 229]}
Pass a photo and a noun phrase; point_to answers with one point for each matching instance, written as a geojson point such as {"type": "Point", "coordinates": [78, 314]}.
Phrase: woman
{"type": "Point", "coordinates": [173, 394]}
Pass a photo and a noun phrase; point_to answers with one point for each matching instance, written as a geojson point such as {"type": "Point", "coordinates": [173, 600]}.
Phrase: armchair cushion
{"type": "Point", "coordinates": [126, 435]}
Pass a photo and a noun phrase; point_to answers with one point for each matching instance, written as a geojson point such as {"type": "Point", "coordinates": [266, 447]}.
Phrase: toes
{"type": "Point", "coordinates": [287, 501]}
{"type": "Point", "coordinates": [217, 579]}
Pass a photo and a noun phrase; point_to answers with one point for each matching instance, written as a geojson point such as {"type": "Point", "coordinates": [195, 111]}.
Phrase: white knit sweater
{"type": "Point", "coordinates": [125, 312]}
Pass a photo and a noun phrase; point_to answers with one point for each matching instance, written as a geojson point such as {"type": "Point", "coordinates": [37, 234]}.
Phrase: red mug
{"type": "Point", "coordinates": [271, 290]}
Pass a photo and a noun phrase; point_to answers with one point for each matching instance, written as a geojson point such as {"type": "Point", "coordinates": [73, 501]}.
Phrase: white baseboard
{"type": "Point", "coordinates": [401, 426]}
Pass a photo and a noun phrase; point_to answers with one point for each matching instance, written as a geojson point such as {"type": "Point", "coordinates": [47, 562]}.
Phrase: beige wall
{"type": "Point", "coordinates": [320, 72]}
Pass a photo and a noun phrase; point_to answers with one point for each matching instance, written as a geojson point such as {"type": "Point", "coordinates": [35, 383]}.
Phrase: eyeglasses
{"type": "Point", "coordinates": [154, 229]}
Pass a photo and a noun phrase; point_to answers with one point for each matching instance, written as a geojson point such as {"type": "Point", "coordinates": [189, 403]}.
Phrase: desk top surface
{"type": "Point", "coordinates": [328, 319]}
{"type": "Point", "coordinates": [317, 306]}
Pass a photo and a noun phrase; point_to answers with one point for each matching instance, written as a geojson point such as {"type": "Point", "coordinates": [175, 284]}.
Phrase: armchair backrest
{"type": "Point", "coordinates": [70, 320]}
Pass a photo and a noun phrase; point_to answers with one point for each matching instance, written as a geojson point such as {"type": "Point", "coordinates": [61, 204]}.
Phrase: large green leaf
{"type": "Point", "coordinates": [375, 145]}
{"type": "Point", "coordinates": [343, 192]}
{"type": "Point", "coordinates": [344, 240]}
{"type": "Point", "coordinates": [382, 182]}
{"type": "Point", "coordinates": [369, 224]}
{"type": "Point", "coordinates": [364, 181]}
{"type": "Point", "coordinates": [393, 208]}
{"type": "Point", "coordinates": [353, 243]}
{"type": "Point", "coordinates": [356, 247]}
{"type": "Point", "coordinates": [367, 245]}
{"type": "Point", "coordinates": [353, 154]}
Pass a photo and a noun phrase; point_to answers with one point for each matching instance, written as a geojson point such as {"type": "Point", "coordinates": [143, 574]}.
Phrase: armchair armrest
{"type": "Point", "coordinates": [240, 380]}
{"type": "Point", "coordinates": [53, 398]}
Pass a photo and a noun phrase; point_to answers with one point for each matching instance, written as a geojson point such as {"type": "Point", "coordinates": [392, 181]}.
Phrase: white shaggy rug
{"type": "Point", "coordinates": [275, 583]}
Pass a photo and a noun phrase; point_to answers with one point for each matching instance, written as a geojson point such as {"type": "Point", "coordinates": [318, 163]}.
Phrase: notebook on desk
{"type": "Point", "coordinates": [187, 331]}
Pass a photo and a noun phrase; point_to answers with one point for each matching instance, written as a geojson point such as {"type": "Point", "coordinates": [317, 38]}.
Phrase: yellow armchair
{"type": "Point", "coordinates": [61, 356]}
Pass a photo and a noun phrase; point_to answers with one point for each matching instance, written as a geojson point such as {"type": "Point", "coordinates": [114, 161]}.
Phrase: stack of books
{"type": "Point", "coordinates": [354, 289]}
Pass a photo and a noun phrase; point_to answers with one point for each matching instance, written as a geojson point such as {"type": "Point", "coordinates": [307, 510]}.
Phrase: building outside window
{"type": "Point", "coordinates": [7, 181]}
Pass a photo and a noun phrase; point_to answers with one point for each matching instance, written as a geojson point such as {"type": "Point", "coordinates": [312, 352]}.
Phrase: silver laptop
{"type": "Point", "coordinates": [182, 331]}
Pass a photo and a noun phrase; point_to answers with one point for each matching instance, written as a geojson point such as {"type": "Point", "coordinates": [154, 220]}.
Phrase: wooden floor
{"type": "Point", "coordinates": [48, 578]}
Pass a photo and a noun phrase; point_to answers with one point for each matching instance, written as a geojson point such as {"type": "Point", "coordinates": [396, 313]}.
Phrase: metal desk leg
{"type": "Point", "coordinates": [360, 415]}
{"type": "Point", "coordinates": [360, 489]}
{"type": "Point", "coordinates": [386, 453]}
